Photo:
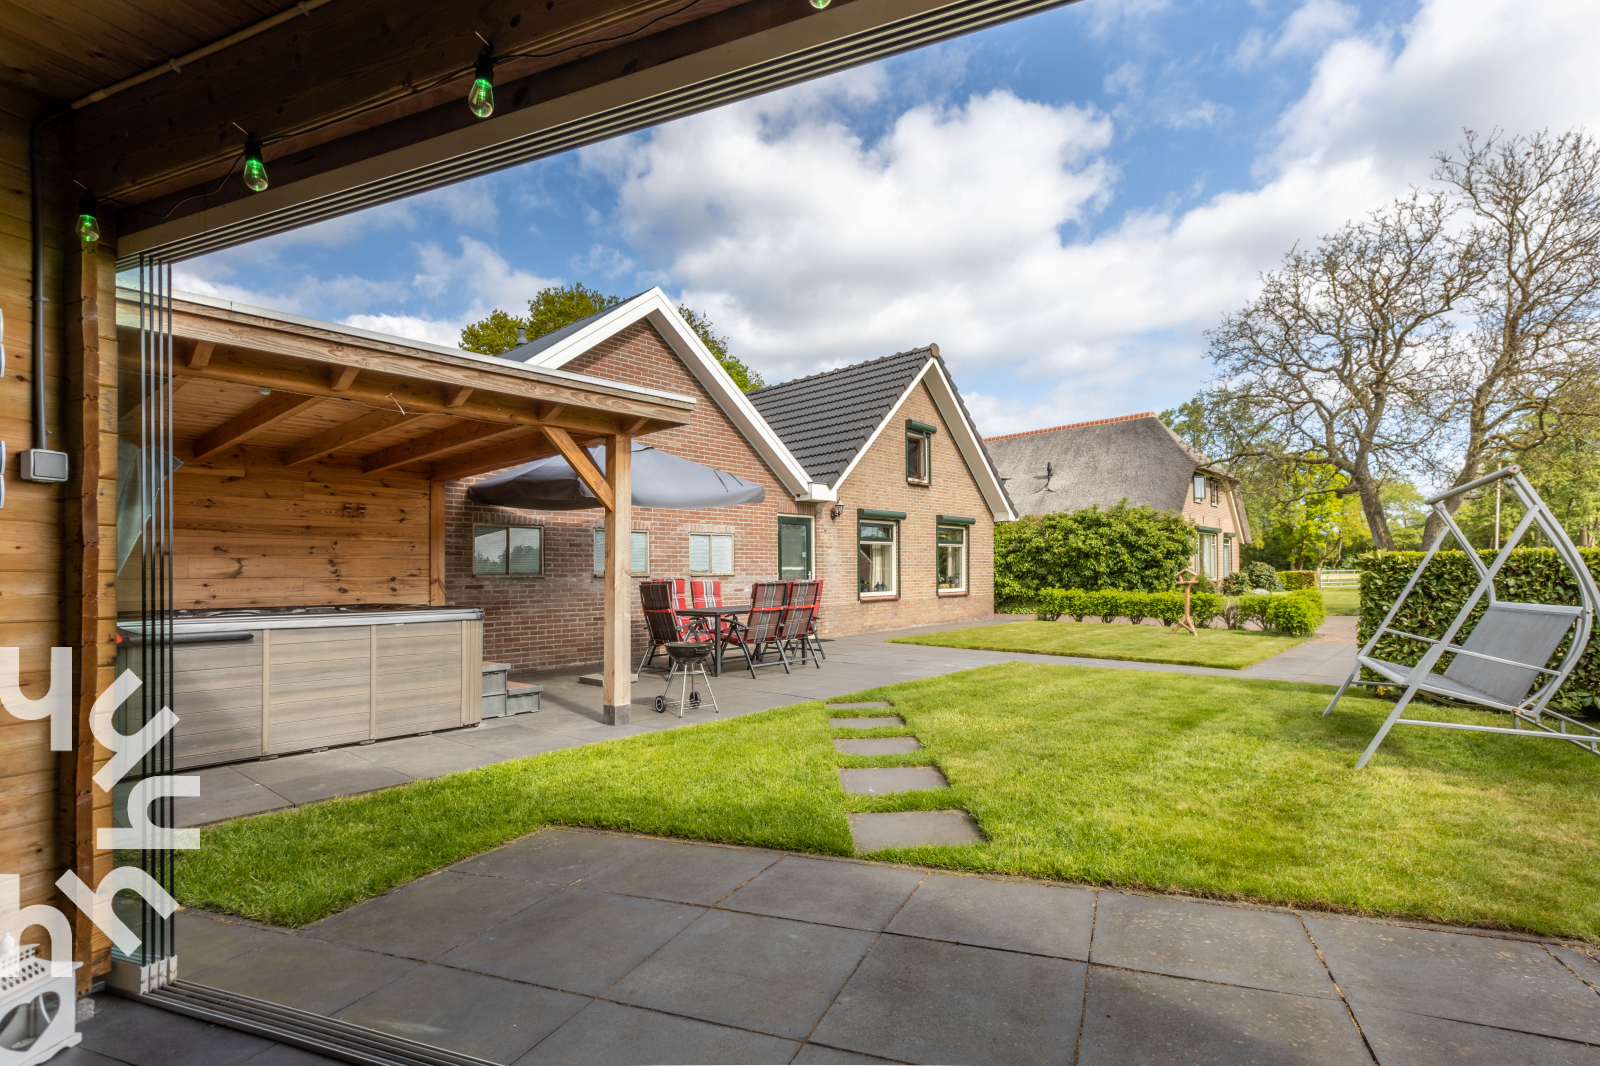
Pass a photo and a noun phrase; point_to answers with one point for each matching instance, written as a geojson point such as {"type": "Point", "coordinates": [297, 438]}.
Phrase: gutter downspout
{"type": "Point", "coordinates": [41, 432]}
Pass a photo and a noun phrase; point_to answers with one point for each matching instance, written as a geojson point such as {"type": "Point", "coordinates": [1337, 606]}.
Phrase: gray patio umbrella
{"type": "Point", "coordinates": [659, 480]}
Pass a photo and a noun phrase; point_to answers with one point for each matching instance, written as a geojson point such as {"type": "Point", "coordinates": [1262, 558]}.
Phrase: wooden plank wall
{"type": "Point", "coordinates": [250, 533]}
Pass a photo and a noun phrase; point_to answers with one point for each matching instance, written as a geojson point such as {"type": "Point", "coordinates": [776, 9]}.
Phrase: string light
{"type": "Point", "coordinates": [480, 98]}
{"type": "Point", "coordinates": [255, 170]}
{"type": "Point", "coordinates": [88, 224]}
{"type": "Point", "coordinates": [819, 4]}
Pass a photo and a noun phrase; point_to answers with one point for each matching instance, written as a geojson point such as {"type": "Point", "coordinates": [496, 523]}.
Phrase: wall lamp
{"type": "Point", "coordinates": [836, 510]}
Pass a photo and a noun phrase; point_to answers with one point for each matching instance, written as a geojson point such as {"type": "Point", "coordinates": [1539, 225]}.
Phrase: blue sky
{"type": "Point", "coordinates": [1064, 203]}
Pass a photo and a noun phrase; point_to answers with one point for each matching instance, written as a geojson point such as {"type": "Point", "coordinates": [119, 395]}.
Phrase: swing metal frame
{"type": "Point", "coordinates": [1531, 715]}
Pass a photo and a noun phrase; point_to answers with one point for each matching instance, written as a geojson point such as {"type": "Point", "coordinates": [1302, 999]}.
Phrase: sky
{"type": "Point", "coordinates": [1065, 204]}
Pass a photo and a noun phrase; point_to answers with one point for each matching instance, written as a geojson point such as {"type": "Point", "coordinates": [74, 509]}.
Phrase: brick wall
{"type": "Point", "coordinates": [554, 620]}
{"type": "Point", "coordinates": [1218, 515]}
{"type": "Point", "coordinates": [879, 483]}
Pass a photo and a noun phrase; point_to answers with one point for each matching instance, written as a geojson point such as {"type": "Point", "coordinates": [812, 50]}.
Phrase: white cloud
{"type": "Point", "coordinates": [603, 260]}
{"type": "Point", "coordinates": [813, 247]}
{"type": "Point", "coordinates": [411, 327]}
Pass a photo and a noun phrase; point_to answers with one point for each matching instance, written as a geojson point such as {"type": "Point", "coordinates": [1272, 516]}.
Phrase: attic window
{"type": "Point", "coordinates": [1199, 488]}
{"type": "Point", "coordinates": [1216, 492]}
{"type": "Point", "coordinates": [919, 452]}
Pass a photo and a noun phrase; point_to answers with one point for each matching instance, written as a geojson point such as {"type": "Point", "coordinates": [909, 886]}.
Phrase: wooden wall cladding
{"type": "Point", "coordinates": [251, 533]}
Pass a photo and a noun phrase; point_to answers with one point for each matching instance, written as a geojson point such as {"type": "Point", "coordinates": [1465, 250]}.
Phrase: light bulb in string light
{"type": "Point", "coordinates": [480, 98]}
{"type": "Point", "coordinates": [255, 170]}
{"type": "Point", "coordinates": [88, 225]}
{"type": "Point", "coordinates": [819, 4]}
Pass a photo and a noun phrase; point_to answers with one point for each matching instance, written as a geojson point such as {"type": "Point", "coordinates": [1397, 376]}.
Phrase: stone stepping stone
{"type": "Point", "coordinates": [865, 723]}
{"type": "Point", "coordinates": [907, 829]}
{"type": "Point", "coordinates": [884, 780]}
{"type": "Point", "coordinates": [870, 705]}
{"type": "Point", "coordinates": [878, 746]}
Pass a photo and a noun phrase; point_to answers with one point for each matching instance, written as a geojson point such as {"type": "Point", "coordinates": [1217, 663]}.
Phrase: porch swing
{"type": "Point", "coordinates": [1509, 648]}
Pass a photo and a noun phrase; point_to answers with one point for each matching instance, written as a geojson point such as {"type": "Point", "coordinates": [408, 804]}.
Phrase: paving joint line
{"type": "Point", "coordinates": [1348, 1009]}
{"type": "Point", "coordinates": [1083, 1008]}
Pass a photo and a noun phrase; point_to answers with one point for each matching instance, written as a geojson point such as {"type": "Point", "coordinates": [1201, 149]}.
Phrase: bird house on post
{"type": "Point", "coordinates": [1187, 578]}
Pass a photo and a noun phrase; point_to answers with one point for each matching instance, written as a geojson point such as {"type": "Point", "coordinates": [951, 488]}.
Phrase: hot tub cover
{"type": "Point", "coordinates": [659, 480]}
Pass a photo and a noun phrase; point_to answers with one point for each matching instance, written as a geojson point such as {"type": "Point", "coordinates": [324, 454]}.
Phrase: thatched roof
{"type": "Point", "coordinates": [1134, 458]}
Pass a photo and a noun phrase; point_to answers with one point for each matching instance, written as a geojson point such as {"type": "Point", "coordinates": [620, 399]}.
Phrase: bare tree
{"type": "Point", "coordinates": [1527, 372]}
{"type": "Point", "coordinates": [1336, 359]}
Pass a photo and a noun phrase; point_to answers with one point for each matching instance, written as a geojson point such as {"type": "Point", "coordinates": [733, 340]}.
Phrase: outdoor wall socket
{"type": "Point", "coordinates": [41, 465]}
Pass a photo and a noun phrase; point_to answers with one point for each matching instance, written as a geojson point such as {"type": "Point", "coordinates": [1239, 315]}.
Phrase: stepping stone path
{"type": "Point", "coordinates": [873, 831]}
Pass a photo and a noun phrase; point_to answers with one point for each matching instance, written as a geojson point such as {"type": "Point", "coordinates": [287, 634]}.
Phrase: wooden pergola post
{"type": "Point", "coordinates": [617, 668]}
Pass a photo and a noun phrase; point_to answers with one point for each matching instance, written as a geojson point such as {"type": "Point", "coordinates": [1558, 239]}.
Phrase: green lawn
{"type": "Point", "coordinates": [1215, 786]}
{"type": "Point", "coordinates": [1231, 649]}
{"type": "Point", "coordinates": [1342, 601]}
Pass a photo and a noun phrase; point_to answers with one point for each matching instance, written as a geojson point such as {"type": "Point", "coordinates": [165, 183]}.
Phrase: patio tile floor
{"type": "Point", "coordinates": [428, 917]}
{"type": "Point", "coordinates": [906, 829]}
{"type": "Point", "coordinates": [806, 959]}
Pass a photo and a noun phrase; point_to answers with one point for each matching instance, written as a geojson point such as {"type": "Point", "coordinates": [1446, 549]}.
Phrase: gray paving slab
{"type": "Point", "coordinates": [421, 757]}
{"type": "Point", "coordinates": [834, 893]}
{"type": "Point", "coordinates": [923, 1001]}
{"type": "Point", "coordinates": [887, 780]}
{"type": "Point", "coordinates": [576, 940]}
{"type": "Point", "coordinates": [859, 705]}
{"type": "Point", "coordinates": [523, 743]}
{"type": "Point", "coordinates": [321, 775]}
{"type": "Point", "coordinates": [554, 856]}
{"type": "Point", "coordinates": [429, 916]}
{"type": "Point", "coordinates": [818, 1055]}
{"type": "Point", "coordinates": [608, 1033]}
{"type": "Point", "coordinates": [880, 722]}
{"type": "Point", "coordinates": [1401, 1039]}
{"type": "Point", "coordinates": [285, 1055]}
{"type": "Point", "coordinates": [1209, 942]}
{"type": "Point", "coordinates": [1507, 983]}
{"type": "Point", "coordinates": [1137, 1017]}
{"type": "Point", "coordinates": [1040, 919]}
{"type": "Point", "coordinates": [308, 974]}
{"type": "Point", "coordinates": [466, 1012]}
{"type": "Point", "coordinates": [207, 940]}
{"type": "Point", "coordinates": [225, 793]}
{"type": "Point", "coordinates": [767, 974]}
{"type": "Point", "coordinates": [683, 873]}
{"type": "Point", "coordinates": [877, 745]}
{"type": "Point", "coordinates": [1580, 961]}
{"type": "Point", "coordinates": [908, 829]}
{"type": "Point", "coordinates": [128, 1032]}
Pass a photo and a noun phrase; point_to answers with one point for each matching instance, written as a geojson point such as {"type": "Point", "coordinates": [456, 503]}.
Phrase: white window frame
{"type": "Point", "coordinates": [938, 552]}
{"type": "Point", "coordinates": [480, 529]}
{"type": "Point", "coordinates": [711, 555]}
{"type": "Point", "coordinates": [636, 537]}
{"type": "Point", "coordinates": [1201, 487]}
{"type": "Point", "coordinates": [894, 559]}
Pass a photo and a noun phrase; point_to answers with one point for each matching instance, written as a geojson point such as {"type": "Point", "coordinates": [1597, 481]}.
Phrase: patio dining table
{"type": "Point", "coordinates": [715, 613]}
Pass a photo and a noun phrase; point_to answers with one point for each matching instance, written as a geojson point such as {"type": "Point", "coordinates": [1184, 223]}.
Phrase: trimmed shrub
{"type": "Point", "coordinates": [1235, 584]}
{"type": "Point", "coordinates": [1107, 603]}
{"type": "Point", "coordinates": [1122, 547]}
{"type": "Point", "coordinates": [1204, 607]}
{"type": "Point", "coordinates": [1166, 607]}
{"type": "Point", "coordinates": [1136, 606]}
{"type": "Point", "coordinates": [1298, 614]}
{"type": "Point", "coordinates": [1231, 616]}
{"type": "Point", "coordinates": [1260, 575]}
{"type": "Point", "coordinates": [1295, 580]}
{"type": "Point", "coordinates": [1253, 608]}
{"type": "Point", "coordinates": [1531, 575]}
{"type": "Point", "coordinates": [1203, 583]}
{"type": "Point", "coordinates": [1050, 605]}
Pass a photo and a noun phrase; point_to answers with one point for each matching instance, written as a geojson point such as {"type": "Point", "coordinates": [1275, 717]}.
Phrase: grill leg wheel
{"type": "Point", "coordinates": [661, 704]}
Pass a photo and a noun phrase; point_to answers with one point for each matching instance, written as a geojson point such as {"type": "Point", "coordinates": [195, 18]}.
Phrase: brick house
{"type": "Point", "coordinates": [535, 572]}
{"type": "Point", "coordinates": [1134, 458]}
{"type": "Point", "coordinates": [910, 538]}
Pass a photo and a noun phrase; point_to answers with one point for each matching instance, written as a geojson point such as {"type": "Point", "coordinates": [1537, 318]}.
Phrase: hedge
{"type": "Point", "coordinates": [1298, 613]}
{"type": "Point", "coordinates": [1531, 575]}
{"type": "Point", "coordinates": [1295, 580]}
{"type": "Point", "coordinates": [1121, 547]}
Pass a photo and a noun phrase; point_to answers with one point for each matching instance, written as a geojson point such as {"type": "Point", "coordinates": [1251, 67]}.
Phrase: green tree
{"type": "Point", "coordinates": [561, 305]}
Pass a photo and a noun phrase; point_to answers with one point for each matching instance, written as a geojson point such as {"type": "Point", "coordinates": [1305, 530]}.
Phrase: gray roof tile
{"type": "Point", "coordinates": [825, 419]}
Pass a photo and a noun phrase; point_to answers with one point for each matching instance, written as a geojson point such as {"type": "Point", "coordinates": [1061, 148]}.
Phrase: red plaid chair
{"type": "Point", "coordinates": [705, 593]}
{"type": "Point", "coordinates": [662, 621]}
{"type": "Point", "coordinates": [680, 594]}
{"type": "Point", "coordinates": [763, 626]}
{"type": "Point", "coordinates": [806, 594]}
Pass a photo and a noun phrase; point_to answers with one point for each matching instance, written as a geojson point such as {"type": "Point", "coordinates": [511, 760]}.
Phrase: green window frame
{"type": "Point", "coordinates": [950, 559]}
{"type": "Point", "coordinates": [878, 555]}
{"type": "Point", "coordinates": [795, 535]}
{"type": "Point", "coordinates": [517, 551]}
{"type": "Point", "coordinates": [919, 452]}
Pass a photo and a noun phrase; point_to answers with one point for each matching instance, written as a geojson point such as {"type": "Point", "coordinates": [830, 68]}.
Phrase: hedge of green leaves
{"type": "Point", "coordinates": [1531, 575]}
{"type": "Point", "coordinates": [1294, 580]}
{"type": "Point", "coordinates": [1297, 614]}
{"type": "Point", "coordinates": [1122, 547]}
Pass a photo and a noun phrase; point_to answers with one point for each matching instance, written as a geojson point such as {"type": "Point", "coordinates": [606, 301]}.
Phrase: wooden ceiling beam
{"type": "Point", "coordinates": [246, 424]}
{"type": "Point", "coordinates": [583, 466]}
{"type": "Point", "coordinates": [200, 355]}
{"type": "Point", "coordinates": [348, 435]}
{"type": "Point", "coordinates": [526, 446]}
{"type": "Point", "coordinates": [450, 439]}
{"type": "Point", "coordinates": [343, 377]}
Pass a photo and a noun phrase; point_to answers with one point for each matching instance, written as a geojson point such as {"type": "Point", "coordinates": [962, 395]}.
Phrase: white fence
{"type": "Point", "coordinates": [1341, 579]}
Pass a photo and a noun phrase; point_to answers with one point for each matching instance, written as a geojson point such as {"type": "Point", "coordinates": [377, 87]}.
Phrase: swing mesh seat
{"type": "Point", "coordinates": [1520, 632]}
